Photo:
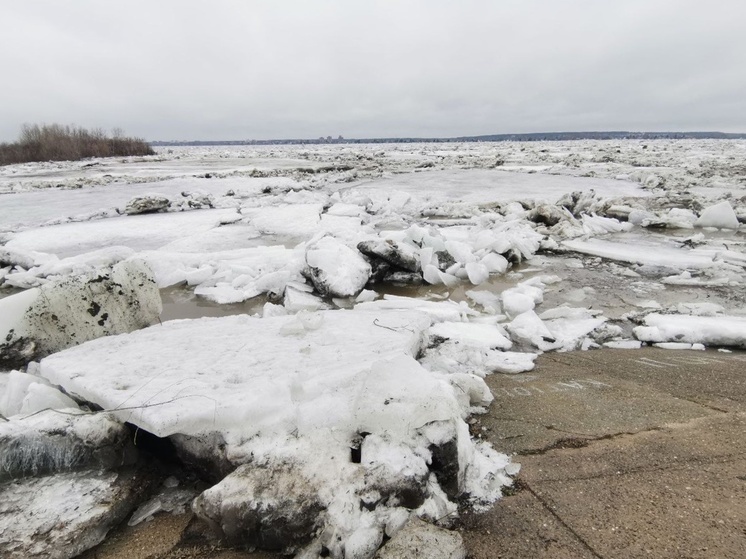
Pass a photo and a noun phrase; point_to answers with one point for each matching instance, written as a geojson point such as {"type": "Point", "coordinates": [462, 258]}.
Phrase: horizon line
{"type": "Point", "coordinates": [581, 134]}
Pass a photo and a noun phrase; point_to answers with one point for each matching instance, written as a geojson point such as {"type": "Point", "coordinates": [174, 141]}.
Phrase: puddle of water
{"type": "Point", "coordinates": [273, 240]}
{"type": "Point", "coordinates": [8, 291]}
{"type": "Point", "coordinates": [180, 302]}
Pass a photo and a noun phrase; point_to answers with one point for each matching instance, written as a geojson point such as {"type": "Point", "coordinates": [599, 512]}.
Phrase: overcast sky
{"type": "Point", "coordinates": [242, 69]}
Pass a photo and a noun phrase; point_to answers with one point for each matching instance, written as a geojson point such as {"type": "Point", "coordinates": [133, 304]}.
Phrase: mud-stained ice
{"type": "Point", "coordinates": [90, 502]}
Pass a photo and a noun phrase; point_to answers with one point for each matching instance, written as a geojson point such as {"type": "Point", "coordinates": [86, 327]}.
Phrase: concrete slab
{"type": "Point", "coordinates": [571, 398]}
{"type": "Point", "coordinates": [691, 515]}
{"type": "Point", "coordinates": [520, 526]}
{"type": "Point", "coordinates": [716, 439]}
{"type": "Point", "coordinates": [625, 453]}
{"type": "Point", "coordinates": [711, 378]}
{"type": "Point", "coordinates": [676, 492]}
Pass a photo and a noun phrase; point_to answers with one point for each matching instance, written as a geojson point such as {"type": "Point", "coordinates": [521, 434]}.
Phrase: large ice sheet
{"type": "Point", "coordinates": [139, 232]}
{"type": "Point", "coordinates": [484, 186]}
{"type": "Point", "coordinates": [249, 374]}
{"type": "Point", "coordinates": [295, 393]}
{"type": "Point", "coordinates": [655, 254]}
{"type": "Point", "coordinates": [27, 209]}
{"type": "Point", "coordinates": [40, 321]}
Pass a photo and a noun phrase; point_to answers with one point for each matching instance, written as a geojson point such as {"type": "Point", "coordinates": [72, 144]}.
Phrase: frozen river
{"type": "Point", "coordinates": [330, 312]}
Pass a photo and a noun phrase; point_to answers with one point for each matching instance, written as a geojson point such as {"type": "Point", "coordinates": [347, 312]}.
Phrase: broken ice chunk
{"type": "Point", "coordinates": [510, 362]}
{"type": "Point", "coordinates": [623, 344]}
{"type": "Point", "coordinates": [297, 300]}
{"type": "Point", "coordinates": [529, 329]}
{"type": "Point", "coordinates": [477, 272]}
{"type": "Point", "coordinates": [44, 397]}
{"type": "Point", "coordinates": [474, 335]}
{"type": "Point", "coordinates": [335, 269]}
{"type": "Point", "coordinates": [720, 215]}
{"type": "Point", "coordinates": [366, 295]}
{"type": "Point", "coordinates": [708, 330]}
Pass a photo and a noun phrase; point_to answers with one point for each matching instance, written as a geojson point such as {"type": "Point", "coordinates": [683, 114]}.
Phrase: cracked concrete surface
{"type": "Point", "coordinates": [625, 453]}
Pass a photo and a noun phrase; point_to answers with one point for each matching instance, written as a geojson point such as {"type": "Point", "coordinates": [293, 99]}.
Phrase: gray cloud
{"type": "Point", "coordinates": [186, 69]}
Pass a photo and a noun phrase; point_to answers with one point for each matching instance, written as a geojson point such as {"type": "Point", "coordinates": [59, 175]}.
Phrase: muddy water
{"type": "Point", "coordinates": [585, 282]}
{"type": "Point", "coordinates": [496, 284]}
{"type": "Point", "coordinates": [591, 283]}
{"type": "Point", "coordinates": [181, 302]}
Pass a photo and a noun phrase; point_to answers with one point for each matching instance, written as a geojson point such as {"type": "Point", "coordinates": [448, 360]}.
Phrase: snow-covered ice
{"type": "Point", "coordinates": [253, 375]}
{"type": "Point", "coordinates": [276, 387]}
{"type": "Point", "coordinates": [656, 254]}
{"type": "Point", "coordinates": [335, 269]}
{"type": "Point", "coordinates": [472, 334]}
{"type": "Point", "coordinates": [139, 232]}
{"type": "Point", "coordinates": [461, 189]}
{"type": "Point", "coordinates": [707, 330]}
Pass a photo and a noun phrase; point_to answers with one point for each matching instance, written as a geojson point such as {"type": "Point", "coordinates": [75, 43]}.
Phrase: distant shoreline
{"type": "Point", "coordinates": [529, 137]}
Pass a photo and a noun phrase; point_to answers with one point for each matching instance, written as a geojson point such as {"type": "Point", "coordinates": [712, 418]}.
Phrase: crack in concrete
{"type": "Point", "coordinates": [580, 443]}
{"type": "Point", "coordinates": [672, 467]}
{"type": "Point", "coordinates": [559, 519]}
{"type": "Point", "coordinates": [703, 404]}
{"type": "Point", "coordinates": [549, 427]}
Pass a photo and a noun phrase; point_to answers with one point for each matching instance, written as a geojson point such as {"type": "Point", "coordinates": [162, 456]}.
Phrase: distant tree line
{"type": "Point", "coordinates": [55, 142]}
{"type": "Point", "coordinates": [529, 137]}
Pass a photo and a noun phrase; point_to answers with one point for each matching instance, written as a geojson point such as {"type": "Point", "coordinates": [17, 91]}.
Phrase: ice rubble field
{"type": "Point", "coordinates": [503, 238]}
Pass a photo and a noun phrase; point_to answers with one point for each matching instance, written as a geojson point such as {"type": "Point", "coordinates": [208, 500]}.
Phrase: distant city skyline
{"type": "Point", "coordinates": [189, 70]}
